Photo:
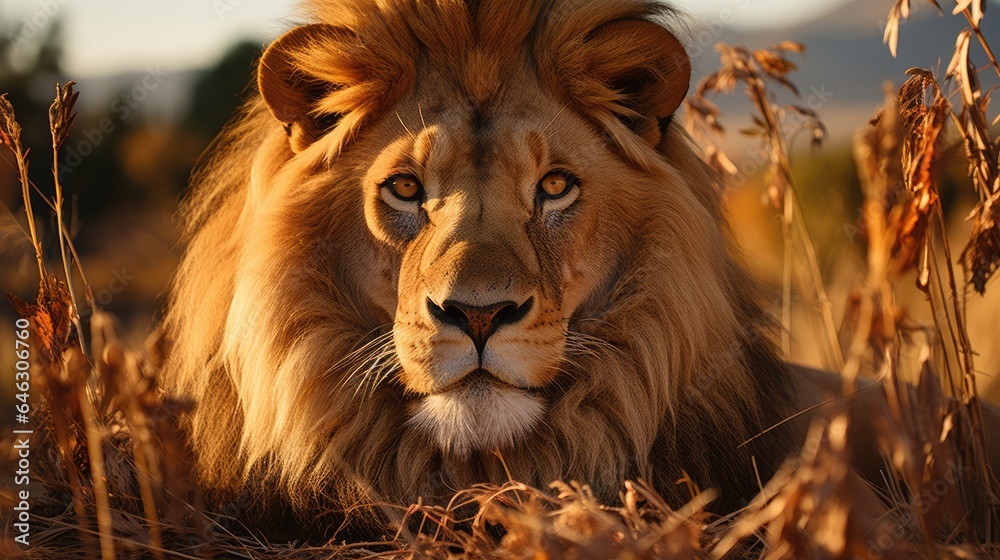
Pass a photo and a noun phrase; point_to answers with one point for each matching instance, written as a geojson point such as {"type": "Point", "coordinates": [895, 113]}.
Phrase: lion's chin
{"type": "Point", "coordinates": [480, 415]}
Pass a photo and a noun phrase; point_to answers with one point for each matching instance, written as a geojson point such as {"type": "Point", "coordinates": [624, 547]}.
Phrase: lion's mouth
{"type": "Point", "coordinates": [478, 412]}
{"type": "Point", "coordinates": [479, 382]}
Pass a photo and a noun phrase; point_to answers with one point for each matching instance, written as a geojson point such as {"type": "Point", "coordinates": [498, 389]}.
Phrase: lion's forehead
{"type": "Point", "coordinates": [522, 92]}
{"type": "Point", "coordinates": [479, 148]}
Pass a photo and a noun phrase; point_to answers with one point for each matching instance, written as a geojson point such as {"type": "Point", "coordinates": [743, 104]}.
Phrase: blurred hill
{"type": "Point", "coordinates": [846, 63]}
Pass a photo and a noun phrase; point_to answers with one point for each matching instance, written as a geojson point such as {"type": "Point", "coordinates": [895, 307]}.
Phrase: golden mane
{"type": "Point", "coordinates": [688, 372]}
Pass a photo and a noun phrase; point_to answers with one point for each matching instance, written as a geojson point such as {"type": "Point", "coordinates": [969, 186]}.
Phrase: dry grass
{"type": "Point", "coordinates": [111, 463]}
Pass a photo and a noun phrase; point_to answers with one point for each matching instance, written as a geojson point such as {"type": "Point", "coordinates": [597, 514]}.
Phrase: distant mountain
{"type": "Point", "coordinates": [846, 58]}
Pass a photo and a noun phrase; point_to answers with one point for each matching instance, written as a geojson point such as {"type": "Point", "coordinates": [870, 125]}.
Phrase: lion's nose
{"type": "Point", "coordinates": [479, 322]}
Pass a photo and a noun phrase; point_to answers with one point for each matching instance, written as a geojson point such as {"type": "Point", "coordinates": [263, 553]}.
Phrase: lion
{"type": "Point", "coordinates": [460, 241]}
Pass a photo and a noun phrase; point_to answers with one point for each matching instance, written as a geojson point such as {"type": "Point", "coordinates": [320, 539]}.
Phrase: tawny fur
{"type": "Point", "coordinates": [282, 281]}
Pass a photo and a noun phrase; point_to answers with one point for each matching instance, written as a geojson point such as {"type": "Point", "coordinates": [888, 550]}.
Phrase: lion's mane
{"type": "Point", "coordinates": [689, 373]}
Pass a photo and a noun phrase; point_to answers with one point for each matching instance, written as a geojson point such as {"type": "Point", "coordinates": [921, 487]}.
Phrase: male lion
{"type": "Point", "coordinates": [456, 240]}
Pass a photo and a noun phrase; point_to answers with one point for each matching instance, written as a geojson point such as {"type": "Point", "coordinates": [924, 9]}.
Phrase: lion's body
{"type": "Point", "coordinates": [662, 363]}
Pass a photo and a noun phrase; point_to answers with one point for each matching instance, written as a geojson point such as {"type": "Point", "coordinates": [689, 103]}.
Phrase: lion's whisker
{"type": "Point", "coordinates": [357, 375]}
{"type": "Point", "coordinates": [378, 367]}
{"type": "Point", "coordinates": [581, 341]}
{"type": "Point", "coordinates": [554, 117]}
{"type": "Point", "coordinates": [388, 373]}
{"type": "Point", "coordinates": [377, 341]}
{"type": "Point", "coordinates": [371, 364]}
{"type": "Point", "coordinates": [404, 125]}
{"type": "Point", "coordinates": [358, 354]}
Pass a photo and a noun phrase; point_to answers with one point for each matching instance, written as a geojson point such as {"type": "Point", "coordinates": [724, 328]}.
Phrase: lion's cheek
{"type": "Point", "coordinates": [581, 280]}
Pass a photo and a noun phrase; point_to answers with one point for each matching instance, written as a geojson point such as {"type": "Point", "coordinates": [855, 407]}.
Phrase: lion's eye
{"type": "Point", "coordinates": [404, 187]}
{"type": "Point", "coordinates": [556, 184]}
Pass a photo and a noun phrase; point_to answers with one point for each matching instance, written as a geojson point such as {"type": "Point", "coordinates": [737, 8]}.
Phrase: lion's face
{"type": "Point", "coordinates": [491, 202]}
{"type": "Point", "coordinates": [501, 220]}
{"type": "Point", "coordinates": [450, 228]}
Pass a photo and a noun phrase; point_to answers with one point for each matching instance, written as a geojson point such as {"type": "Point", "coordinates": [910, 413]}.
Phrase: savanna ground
{"type": "Point", "coordinates": [907, 298]}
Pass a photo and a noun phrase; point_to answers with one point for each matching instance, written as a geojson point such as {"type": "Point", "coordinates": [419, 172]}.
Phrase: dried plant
{"type": "Point", "coordinates": [929, 437]}
{"type": "Point", "coordinates": [772, 123]}
{"type": "Point", "coordinates": [981, 254]}
{"type": "Point", "coordinates": [62, 115]}
{"type": "Point", "coordinates": [71, 390]}
{"type": "Point", "coordinates": [10, 135]}
{"type": "Point", "coordinates": [925, 106]}
{"type": "Point", "coordinates": [898, 158]}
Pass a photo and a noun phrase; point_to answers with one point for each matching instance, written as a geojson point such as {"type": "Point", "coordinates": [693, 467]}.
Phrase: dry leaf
{"type": "Point", "coordinates": [981, 255]}
{"type": "Point", "coordinates": [900, 10]}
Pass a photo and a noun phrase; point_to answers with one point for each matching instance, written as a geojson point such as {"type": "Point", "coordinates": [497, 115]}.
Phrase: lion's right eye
{"type": "Point", "coordinates": [556, 184]}
{"type": "Point", "coordinates": [404, 187]}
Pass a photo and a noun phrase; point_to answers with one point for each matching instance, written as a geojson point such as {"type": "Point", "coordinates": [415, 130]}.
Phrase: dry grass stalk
{"type": "Point", "coordinates": [896, 158]}
{"type": "Point", "coordinates": [61, 119]}
{"type": "Point", "coordinates": [10, 135]}
{"type": "Point", "coordinates": [62, 372]}
{"type": "Point", "coordinates": [813, 512]}
{"type": "Point", "coordinates": [47, 318]}
{"type": "Point", "coordinates": [50, 340]}
{"type": "Point", "coordinates": [569, 519]}
{"type": "Point", "coordinates": [772, 124]}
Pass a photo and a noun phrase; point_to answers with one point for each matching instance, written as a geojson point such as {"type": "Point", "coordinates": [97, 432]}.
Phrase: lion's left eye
{"type": "Point", "coordinates": [404, 187]}
{"type": "Point", "coordinates": [556, 184]}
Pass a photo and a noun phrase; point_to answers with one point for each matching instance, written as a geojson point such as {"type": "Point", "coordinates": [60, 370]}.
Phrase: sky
{"type": "Point", "coordinates": [110, 36]}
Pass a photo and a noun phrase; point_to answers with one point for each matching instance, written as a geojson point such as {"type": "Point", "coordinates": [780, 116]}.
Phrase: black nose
{"type": "Point", "coordinates": [479, 322]}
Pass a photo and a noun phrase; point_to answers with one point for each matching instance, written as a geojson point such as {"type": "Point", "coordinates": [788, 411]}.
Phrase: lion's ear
{"type": "Point", "coordinates": [628, 73]}
{"type": "Point", "coordinates": [647, 67]}
{"type": "Point", "coordinates": [290, 90]}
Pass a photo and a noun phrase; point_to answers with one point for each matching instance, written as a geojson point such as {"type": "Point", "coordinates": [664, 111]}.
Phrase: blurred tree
{"type": "Point", "coordinates": [114, 163]}
{"type": "Point", "coordinates": [221, 89]}
{"type": "Point", "coordinates": [30, 53]}
{"type": "Point", "coordinates": [831, 197]}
